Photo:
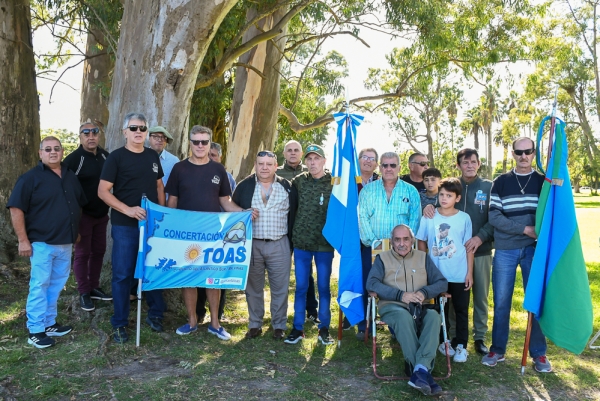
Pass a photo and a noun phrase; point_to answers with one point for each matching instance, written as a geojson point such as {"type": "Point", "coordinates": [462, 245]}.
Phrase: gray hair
{"type": "Point", "coordinates": [134, 116]}
{"type": "Point", "coordinates": [199, 129]}
{"type": "Point", "coordinates": [411, 158]}
{"type": "Point", "coordinates": [390, 155]}
{"type": "Point", "coordinates": [217, 146]}
{"type": "Point", "coordinates": [292, 141]}
{"type": "Point", "coordinates": [88, 123]}
{"type": "Point", "coordinates": [362, 152]}
{"type": "Point", "coordinates": [49, 138]}
{"type": "Point", "coordinates": [410, 231]}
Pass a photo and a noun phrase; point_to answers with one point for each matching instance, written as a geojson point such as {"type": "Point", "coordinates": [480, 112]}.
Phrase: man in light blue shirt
{"type": "Point", "coordinates": [158, 139]}
{"type": "Point", "coordinates": [382, 205]}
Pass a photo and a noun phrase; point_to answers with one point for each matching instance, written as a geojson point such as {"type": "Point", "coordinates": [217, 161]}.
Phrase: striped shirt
{"type": "Point", "coordinates": [377, 217]}
{"type": "Point", "coordinates": [272, 221]}
{"type": "Point", "coordinates": [513, 203]}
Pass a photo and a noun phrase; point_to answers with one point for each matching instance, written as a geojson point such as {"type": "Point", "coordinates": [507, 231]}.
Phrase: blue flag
{"type": "Point", "coordinates": [179, 248]}
{"type": "Point", "coordinates": [341, 226]}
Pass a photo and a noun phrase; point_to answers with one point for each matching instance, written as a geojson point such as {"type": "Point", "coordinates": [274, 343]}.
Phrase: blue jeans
{"type": "Point", "coordinates": [504, 271]}
{"type": "Point", "coordinates": [124, 257]}
{"type": "Point", "coordinates": [303, 269]}
{"type": "Point", "coordinates": [50, 266]}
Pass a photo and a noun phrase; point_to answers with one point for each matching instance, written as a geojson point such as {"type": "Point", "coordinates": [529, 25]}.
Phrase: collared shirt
{"type": "Point", "coordinates": [51, 204]}
{"type": "Point", "coordinates": [288, 172]}
{"type": "Point", "coordinates": [167, 161]}
{"type": "Point", "coordinates": [377, 217]}
{"type": "Point", "coordinates": [87, 166]}
{"type": "Point", "coordinates": [232, 183]}
{"type": "Point", "coordinates": [273, 217]}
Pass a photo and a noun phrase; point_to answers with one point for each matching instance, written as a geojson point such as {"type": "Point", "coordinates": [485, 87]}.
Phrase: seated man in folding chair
{"type": "Point", "coordinates": [402, 276]}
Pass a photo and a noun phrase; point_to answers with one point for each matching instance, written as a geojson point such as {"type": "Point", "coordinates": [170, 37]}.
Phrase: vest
{"type": "Point", "coordinates": [406, 273]}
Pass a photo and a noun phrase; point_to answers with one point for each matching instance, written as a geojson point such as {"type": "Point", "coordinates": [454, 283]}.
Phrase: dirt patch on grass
{"type": "Point", "coordinates": [149, 369]}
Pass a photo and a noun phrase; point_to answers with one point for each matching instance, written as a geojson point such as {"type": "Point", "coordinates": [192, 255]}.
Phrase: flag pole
{"type": "Point", "coordinates": [548, 156]}
{"type": "Point", "coordinates": [139, 313]}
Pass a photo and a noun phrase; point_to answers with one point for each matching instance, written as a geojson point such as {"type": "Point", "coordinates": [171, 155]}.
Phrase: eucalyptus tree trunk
{"type": "Point", "coordinates": [161, 48]}
{"type": "Point", "coordinates": [95, 85]}
{"type": "Point", "coordinates": [19, 110]}
{"type": "Point", "coordinates": [255, 105]}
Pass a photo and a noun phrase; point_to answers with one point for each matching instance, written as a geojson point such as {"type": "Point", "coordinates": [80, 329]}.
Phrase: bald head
{"type": "Point", "coordinates": [292, 152]}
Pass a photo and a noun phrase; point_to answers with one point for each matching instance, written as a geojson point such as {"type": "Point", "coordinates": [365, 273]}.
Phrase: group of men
{"type": "Point", "coordinates": [58, 204]}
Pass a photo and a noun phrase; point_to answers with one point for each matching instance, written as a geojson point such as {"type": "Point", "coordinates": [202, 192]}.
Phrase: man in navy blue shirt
{"type": "Point", "coordinates": [45, 208]}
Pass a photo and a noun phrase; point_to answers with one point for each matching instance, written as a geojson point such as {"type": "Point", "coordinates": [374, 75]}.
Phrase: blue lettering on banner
{"type": "Point", "coordinates": [192, 236]}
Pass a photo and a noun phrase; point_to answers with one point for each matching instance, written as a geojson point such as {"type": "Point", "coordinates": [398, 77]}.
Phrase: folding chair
{"type": "Point", "coordinates": [371, 323]}
{"type": "Point", "coordinates": [593, 340]}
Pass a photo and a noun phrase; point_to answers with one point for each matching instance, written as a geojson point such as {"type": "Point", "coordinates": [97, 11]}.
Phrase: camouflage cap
{"type": "Point", "coordinates": [163, 131]}
{"type": "Point", "coordinates": [315, 149]}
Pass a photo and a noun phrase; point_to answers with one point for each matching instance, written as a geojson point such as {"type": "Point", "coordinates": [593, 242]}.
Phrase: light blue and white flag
{"type": "Point", "coordinates": [341, 226]}
{"type": "Point", "coordinates": [179, 248]}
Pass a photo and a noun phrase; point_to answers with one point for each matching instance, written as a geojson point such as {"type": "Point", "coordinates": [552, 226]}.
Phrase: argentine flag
{"type": "Point", "coordinates": [341, 226]}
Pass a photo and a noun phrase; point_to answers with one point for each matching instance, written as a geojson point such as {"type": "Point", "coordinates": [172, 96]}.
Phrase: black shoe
{"type": "Point", "coordinates": [120, 335]}
{"type": "Point", "coordinates": [435, 388]}
{"type": "Point", "coordinates": [360, 335]}
{"type": "Point", "coordinates": [101, 295]}
{"type": "Point", "coordinates": [40, 340]}
{"type": "Point", "coordinates": [56, 330]}
{"type": "Point", "coordinates": [155, 323]}
{"type": "Point", "coordinates": [324, 336]}
{"type": "Point", "coordinates": [346, 324]}
{"type": "Point", "coordinates": [480, 347]}
{"type": "Point", "coordinates": [294, 337]}
{"type": "Point", "coordinates": [86, 302]}
{"type": "Point", "coordinates": [313, 318]}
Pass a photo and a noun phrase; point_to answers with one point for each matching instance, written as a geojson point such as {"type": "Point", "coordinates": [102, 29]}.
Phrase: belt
{"type": "Point", "coordinates": [266, 239]}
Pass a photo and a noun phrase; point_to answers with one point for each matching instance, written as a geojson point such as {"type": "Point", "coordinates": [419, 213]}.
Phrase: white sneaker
{"type": "Point", "coordinates": [461, 354]}
{"type": "Point", "coordinates": [442, 349]}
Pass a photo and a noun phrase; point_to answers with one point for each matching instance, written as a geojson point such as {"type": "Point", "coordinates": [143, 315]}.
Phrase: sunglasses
{"type": "Point", "coordinates": [390, 165]}
{"type": "Point", "coordinates": [204, 142]}
{"type": "Point", "coordinates": [422, 164]}
{"type": "Point", "coordinates": [520, 152]}
{"type": "Point", "coordinates": [368, 158]}
{"type": "Point", "coordinates": [134, 128]}
{"type": "Point", "coordinates": [87, 132]}
{"type": "Point", "coordinates": [158, 137]}
{"type": "Point", "coordinates": [50, 149]}
{"type": "Point", "coordinates": [264, 153]}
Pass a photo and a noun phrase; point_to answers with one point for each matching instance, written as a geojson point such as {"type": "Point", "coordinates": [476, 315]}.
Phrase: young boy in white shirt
{"type": "Point", "coordinates": [445, 235]}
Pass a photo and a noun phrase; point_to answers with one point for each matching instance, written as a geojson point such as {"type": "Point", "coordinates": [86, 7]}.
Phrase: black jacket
{"type": "Point", "coordinates": [244, 192]}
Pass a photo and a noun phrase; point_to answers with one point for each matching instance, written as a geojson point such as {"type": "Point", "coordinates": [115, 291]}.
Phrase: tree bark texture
{"type": "Point", "coordinates": [95, 85]}
{"type": "Point", "coordinates": [255, 105]}
{"type": "Point", "coordinates": [161, 47]}
{"type": "Point", "coordinates": [19, 110]}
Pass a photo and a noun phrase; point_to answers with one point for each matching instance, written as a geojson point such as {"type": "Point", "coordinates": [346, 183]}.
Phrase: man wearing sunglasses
{"type": "Point", "coordinates": [87, 162]}
{"type": "Point", "coordinates": [382, 205]}
{"type": "Point", "coordinates": [131, 172]}
{"type": "Point", "coordinates": [417, 163]}
{"type": "Point", "coordinates": [199, 184]}
{"type": "Point", "coordinates": [45, 208]}
{"type": "Point", "coordinates": [158, 139]}
{"type": "Point", "coordinates": [276, 200]}
{"type": "Point", "coordinates": [514, 200]}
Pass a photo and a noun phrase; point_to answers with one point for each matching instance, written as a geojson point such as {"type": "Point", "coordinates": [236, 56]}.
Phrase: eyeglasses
{"type": "Point", "coordinates": [422, 164]}
{"type": "Point", "coordinates": [134, 128]}
{"type": "Point", "coordinates": [520, 152]}
{"type": "Point", "coordinates": [390, 165]}
{"type": "Point", "coordinates": [368, 158]}
{"type": "Point", "coordinates": [158, 137]}
{"type": "Point", "coordinates": [204, 142]}
{"type": "Point", "coordinates": [264, 153]}
{"type": "Point", "coordinates": [87, 131]}
{"type": "Point", "coordinates": [49, 149]}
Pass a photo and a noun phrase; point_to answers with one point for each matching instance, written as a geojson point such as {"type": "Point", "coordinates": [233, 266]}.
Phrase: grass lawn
{"type": "Point", "coordinates": [87, 365]}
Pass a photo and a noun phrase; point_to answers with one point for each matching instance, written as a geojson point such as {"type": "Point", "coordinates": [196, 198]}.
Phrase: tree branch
{"type": "Point", "coordinates": [250, 67]}
{"type": "Point", "coordinates": [231, 55]}
{"type": "Point", "coordinates": [325, 35]}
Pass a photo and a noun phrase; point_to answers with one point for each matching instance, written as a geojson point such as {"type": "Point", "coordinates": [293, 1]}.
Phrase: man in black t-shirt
{"type": "Point", "coordinates": [131, 172]}
{"type": "Point", "coordinates": [200, 184]}
{"type": "Point", "coordinates": [87, 162]}
{"type": "Point", "coordinates": [417, 163]}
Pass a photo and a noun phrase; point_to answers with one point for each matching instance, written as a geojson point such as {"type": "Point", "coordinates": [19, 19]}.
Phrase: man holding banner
{"type": "Point", "coordinates": [200, 184]}
{"type": "Point", "coordinates": [276, 200]}
{"type": "Point", "coordinates": [130, 172]}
